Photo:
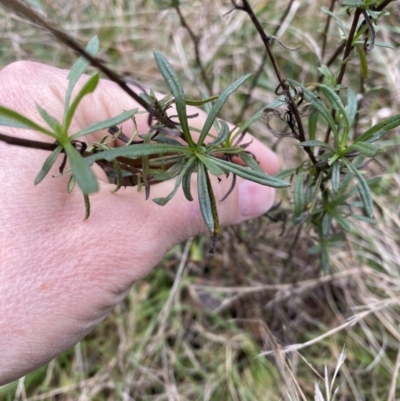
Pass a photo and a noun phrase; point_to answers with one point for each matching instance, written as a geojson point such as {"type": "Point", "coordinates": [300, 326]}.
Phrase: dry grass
{"type": "Point", "coordinates": [196, 327]}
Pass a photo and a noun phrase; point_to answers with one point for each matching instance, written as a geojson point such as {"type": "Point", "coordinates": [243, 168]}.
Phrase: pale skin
{"type": "Point", "coordinates": [59, 274]}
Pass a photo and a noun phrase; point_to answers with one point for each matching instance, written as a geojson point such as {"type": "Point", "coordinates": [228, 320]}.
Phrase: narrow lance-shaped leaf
{"type": "Point", "coordinates": [365, 148]}
{"type": "Point", "coordinates": [82, 172]}
{"type": "Point", "coordinates": [319, 105]}
{"type": "Point", "coordinates": [218, 106]}
{"type": "Point", "coordinates": [11, 118]}
{"type": "Point", "coordinates": [204, 198]}
{"type": "Point", "coordinates": [210, 164]}
{"type": "Point", "coordinates": [363, 189]}
{"type": "Point", "coordinates": [89, 87]}
{"type": "Point", "coordinates": [176, 89]}
{"type": "Point", "coordinates": [105, 124]}
{"type": "Point", "coordinates": [337, 104]}
{"type": "Point", "coordinates": [251, 175]}
{"type": "Point", "coordinates": [50, 120]}
{"type": "Point", "coordinates": [364, 71]}
{"type": "Point", "coordinates": [251, 161]}
{"type": "Point", "coordinates": [312, 125]}
{"type": "Point", "coordinates": [79, 68]}
{"type": "Point", "coordinates": [351, 106]}
{"type": "Point", "coordinates": [336, 176]}
{"type": "Point", "coordinates": [222, 136]}
{"type": "Point", "coordinates": [186, 181]}
{"type": "Point", "coordinates": [378, 130]}
{"type": "Point", "coordinates": [337, 19]}
{"type": "Point", "coordinates": [136, 151]}
{"type": "Point", "coordinates": [48, 164]}
{"type": "Point", "coordinates": [163, 201]}
{"type": "Point", "coordinates": [298, 196]}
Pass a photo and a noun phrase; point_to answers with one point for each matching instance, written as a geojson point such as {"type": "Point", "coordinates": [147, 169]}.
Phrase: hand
{"type": "Point", "coordinates": [59, 274]}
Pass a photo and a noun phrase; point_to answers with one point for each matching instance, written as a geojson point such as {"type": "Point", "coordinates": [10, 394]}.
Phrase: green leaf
{"type": "Point", "coordinates": [89, 87]}
{"type": "Point", "coordinates": [210, 164]}
{"type": "Point", "coordinates": [251, 162]}
{"type": "Point", "coordinates": [252, 175]}
{"type": "Point", "coordinates": [105, 124]}
{"type": "Point", "coordinates": [315, 142]}
{"type": "Point", "coordinates": [11, 118]}
{"type": "Point", "coordinates": [379, 130]}
{"type": "Point", "coordinates": [204, 198]}
{"type": "Point", "coordinates": [336, 167]}
{"type": "Point", "coordinates": [319, 105]}
{"type": "Point", "coordinates": [48, 164]}
{"type": "Point", "coordinates": [363, 189]}
{"type": "Point", "coordinates": [363, 62]}
{"type": "Point", "coordinates": [354, 3]}
{"type": "Point", "coordinates": [222, 136]}
{"type": "Point", "coordinates": [136, 151]}
{"type": "Point", "coordinates": [201, 102]}
{"type": "Point", "coordinates": [218, 106]}
{"type": "Point", "coordinates": [326, 224]}
{"type": "Point", "coordinates": [53, 123]}
{"type": "Point", "coordinates": [79, 68]}
{"type": "Point", "coordinates": [186, 181]}
{"type": "Point", "coordinates": [351, 106]}
{"type": "Point", "coordinates": [326, 72]}
{"type": "Point", "coordinates": [164, 201]}
{"type": "Point", "coordinates": [298, 196]}
{"type": "Point", "coordinates": [342, 222]}
{"type": "Point", "coordinates": [337, 104]}
{"type": "Point", "coordinates": [176, 89]}
{"type": "Point", "coordinates": [337, 19]}
{"type": "Point", "coordinates": [365, 148]}
{"type": "Point", "coordinates": [312, 125]}
{"type": "Point", "coordinates": [81, 171]}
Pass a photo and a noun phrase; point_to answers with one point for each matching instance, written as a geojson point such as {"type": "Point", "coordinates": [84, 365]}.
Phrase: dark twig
{"type": "Point", "coordinates": [282, 80]}
{"type": "Point", "coordinates": [22, 9]}
{"type": "Point", "coordinates": [195, 40]}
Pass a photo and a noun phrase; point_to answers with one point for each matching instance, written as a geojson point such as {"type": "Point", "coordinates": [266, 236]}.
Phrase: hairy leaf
{"type": "Point", "coordinates": [298, 196]}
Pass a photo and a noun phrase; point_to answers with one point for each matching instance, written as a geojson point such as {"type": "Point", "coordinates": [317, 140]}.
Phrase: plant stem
{"type": "Point", "coordinates": [21, 8]}
{"type": "Point", "coordinates": [281, 79]}
{"type": "Point", "coordinates": [325, 32]}
{"type": "Point", "coordinates": [195, 40]}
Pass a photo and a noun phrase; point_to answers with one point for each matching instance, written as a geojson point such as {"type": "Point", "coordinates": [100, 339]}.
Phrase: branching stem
{"type": "Point", "coordinates": [195, 40]}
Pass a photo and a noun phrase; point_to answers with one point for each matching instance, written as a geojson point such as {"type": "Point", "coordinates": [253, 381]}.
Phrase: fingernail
{"type": "Point", "coordinates": [254, 199]}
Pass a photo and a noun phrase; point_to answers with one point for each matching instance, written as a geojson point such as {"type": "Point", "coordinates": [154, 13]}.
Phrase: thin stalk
{"type": "Point", "coordinates": [20, 8]}
{"type": "Point", "coordinates": [325, 32]}
{"type": "Point", "coordinates": [281, 79]}
{"type": "Point", "coordinates": [261, 66]}
{"type": "Point", "coordinates": [195, 40]}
